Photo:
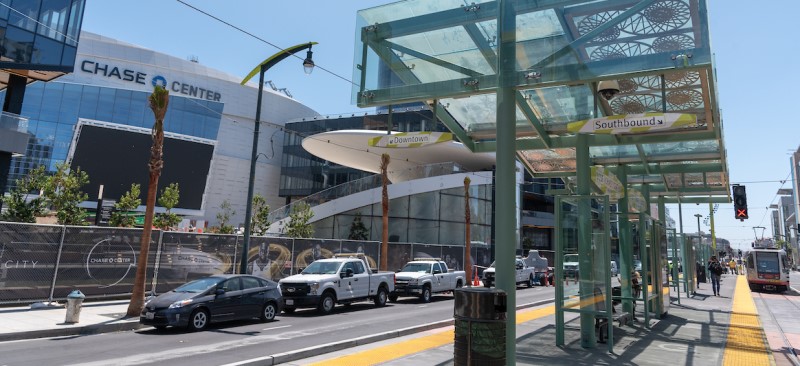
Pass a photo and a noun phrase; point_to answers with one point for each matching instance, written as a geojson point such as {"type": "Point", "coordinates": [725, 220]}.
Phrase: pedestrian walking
{"type": "Point", "coordinates": [732, 265]}
{"type": "Point", "coordinates": [715, 270]}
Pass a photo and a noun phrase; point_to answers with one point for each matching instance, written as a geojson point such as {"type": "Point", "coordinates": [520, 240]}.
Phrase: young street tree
{"type": "Point", "coordinates": [168, 199]}
{"type": "Point", "coordinates": [298, 226]}
{"type": "Point", "coordinates": [159, 100]}
{"type": "Point", "coordinates": [224, 217]}
{"type": "Point", "coordinates": [260, 222]}
{"type": "Point", "coordinates": [122, 217]}
{"type": "Point", "coordinates": [357, 229]}
{"type": "Point", "coordinates": [63, 191]}
{"type": "Point", "coordinates": [18, 207]}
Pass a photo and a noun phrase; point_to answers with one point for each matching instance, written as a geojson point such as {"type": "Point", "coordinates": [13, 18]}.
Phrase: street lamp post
{"type": "Point", "coordinates": [699, 236]}
{"type": "Point", "coordinates": [308, 66]}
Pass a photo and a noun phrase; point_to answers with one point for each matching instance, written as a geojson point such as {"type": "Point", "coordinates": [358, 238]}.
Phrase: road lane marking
{"type": "Point", "coordinates": [282, 326]}
{"type": "Point", "coordinates": [405, 348]}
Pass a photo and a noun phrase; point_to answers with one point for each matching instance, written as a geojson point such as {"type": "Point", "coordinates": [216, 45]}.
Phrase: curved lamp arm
{"type": "Point", "coordinates": [274, 59]}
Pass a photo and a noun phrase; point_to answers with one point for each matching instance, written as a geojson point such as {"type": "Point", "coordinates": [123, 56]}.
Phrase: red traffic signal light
{"type": "Point", "coordinates": [740, 202]}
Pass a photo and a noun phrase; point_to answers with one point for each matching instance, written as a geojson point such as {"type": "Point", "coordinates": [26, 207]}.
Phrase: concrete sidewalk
{"type": "Point", "coordinates": [95, 317]}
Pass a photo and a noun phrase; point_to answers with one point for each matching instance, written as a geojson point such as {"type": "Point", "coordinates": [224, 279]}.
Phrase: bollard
{"type": "Point", "coordinates": [480, 327]}
{"type": "Point", "coordinates": [74, 302]}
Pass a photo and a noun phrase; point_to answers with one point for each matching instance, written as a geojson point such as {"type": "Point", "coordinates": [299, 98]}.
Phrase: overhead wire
{"type": "Point", "coordinates": [261, 39]}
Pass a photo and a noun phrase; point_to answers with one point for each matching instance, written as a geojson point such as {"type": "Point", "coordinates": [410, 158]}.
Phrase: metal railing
{"type": "Point", "coordinates": [361, 185]}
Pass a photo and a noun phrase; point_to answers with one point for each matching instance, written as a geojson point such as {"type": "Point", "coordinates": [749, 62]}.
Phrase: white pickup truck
{"type": "Point", "coordinates": [341, 280]}
{"type": "Point", "coordinates": [523, 274]}
{"type": "Point", "coordinates": [425, 276]}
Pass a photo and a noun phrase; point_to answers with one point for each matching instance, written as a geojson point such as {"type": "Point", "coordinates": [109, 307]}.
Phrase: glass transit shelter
{"type": "Point", "coordinates": [616, 97]}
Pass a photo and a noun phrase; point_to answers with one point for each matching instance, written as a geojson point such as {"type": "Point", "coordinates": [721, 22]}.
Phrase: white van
{"type": "Point", "coordinates": [614, 269]}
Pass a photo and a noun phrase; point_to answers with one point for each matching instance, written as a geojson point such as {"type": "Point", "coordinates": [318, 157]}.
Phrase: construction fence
{"type": "Point", "coordinates": [46, 262]}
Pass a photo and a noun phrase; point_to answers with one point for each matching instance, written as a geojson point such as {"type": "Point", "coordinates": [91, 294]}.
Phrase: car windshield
{"type": "Point", "coordinates": [322, 268]}
{"type": "Point", "coordinates": [570, 258]}
{"type": "Point", "coordinates": [417, 267]}
{"type": "Point", "coordinates": [492, 265]}
{"type": "Point", "coordinates": [199, 285]}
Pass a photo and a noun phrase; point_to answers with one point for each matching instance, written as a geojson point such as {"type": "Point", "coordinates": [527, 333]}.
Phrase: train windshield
{"type": "Point", "coordinates": [768, 262]}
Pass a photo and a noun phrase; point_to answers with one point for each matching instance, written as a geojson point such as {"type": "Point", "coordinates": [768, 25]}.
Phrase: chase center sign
{"type": "Point", "coordinates": [138, 77]}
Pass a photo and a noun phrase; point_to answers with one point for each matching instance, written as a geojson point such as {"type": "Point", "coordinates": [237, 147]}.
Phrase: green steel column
{"type": "Point", "coordinates": [625, 242]}
{"type": "Point", "coordinates": [585, 253]}
{"type": "Point", "coordinates": [645, 254]}
{"type": "Point", "coordinates": [688, 286]}
{"type": "Point", "coordinates": [662, 217]}
{"type": "Point", "coordinates": [505, 197]}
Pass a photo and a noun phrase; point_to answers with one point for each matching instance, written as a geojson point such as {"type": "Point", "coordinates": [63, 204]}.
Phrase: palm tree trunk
{"type": "Point", "coordinates": [384, 266]}
{"type": "Point", "coordinates": [158, 103]}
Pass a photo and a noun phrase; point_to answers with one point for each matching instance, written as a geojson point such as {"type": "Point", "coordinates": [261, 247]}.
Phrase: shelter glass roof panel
{"type": "Point", "coordinates": [444, 53]}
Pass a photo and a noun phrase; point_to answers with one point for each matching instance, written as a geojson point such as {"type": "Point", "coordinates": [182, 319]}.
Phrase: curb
{"type": "Point", "coordinates": [303, 353]}
{"type": "Point", "coordinates": [80, 330]}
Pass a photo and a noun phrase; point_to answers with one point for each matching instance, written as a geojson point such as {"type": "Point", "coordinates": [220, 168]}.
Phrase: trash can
{"type": "Point", "coordinates": [701, 273]}
{"type": "Point", "coordinates": [480, 326]}
{"type": "Point", "coordinates": [74, 302]}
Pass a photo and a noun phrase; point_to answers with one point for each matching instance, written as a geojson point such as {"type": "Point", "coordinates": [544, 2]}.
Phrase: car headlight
{"type": "Point", "coordinates": [312, 288]}
{"type": "Point", "coordinates": [413, 281]}
{"type": "Point", "coordinates": [180, 303]}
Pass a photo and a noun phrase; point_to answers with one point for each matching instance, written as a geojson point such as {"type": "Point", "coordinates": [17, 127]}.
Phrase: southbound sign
{"type": "Point", "coordinates": [634, 123]}
{"type": "Point", "coordinates": [410, 139]}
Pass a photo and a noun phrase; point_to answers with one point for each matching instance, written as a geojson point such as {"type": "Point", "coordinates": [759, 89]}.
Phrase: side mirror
{"type": "Point", "coordinates": [219, 292]}
{"type": "Point", "coordinates": [347, 273]}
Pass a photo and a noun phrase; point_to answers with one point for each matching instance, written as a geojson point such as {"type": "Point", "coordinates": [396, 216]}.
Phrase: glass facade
{"type": "Point", "coordinates": [303, 174]}
{"type": "Point", "coordinates": [42, 34]}
{"type": "Point", "coordinates": [430, 217]}
{"type": "Point", "coordinates": [54, 108]}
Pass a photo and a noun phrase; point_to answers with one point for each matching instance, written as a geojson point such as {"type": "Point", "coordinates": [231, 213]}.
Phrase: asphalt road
{"type": "Point", "coordinates": [238, 341]}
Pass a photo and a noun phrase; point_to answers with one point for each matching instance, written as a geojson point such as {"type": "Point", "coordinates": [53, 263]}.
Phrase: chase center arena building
{"type": "Point", "coordinates": [109, 91]}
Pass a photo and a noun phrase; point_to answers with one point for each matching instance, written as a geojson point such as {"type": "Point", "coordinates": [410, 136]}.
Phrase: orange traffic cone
{"type": "Point", "coordinates": [475, 281]}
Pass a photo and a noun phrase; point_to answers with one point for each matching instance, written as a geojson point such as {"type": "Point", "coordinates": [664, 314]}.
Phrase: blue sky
{"type": "Point", "coordinates": [753, 45]}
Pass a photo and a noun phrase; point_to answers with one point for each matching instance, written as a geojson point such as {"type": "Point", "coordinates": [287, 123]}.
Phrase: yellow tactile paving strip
{"type": "Point", "coordinates": [746, 344]}
{"type": "Point", "coordinates": [401, 349]}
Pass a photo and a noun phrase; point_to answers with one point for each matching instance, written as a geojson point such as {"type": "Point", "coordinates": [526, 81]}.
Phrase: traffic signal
{"type": "Point", "coordinates": [740, 202]}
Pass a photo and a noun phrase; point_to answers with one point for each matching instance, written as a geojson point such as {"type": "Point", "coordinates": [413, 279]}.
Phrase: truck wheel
{"type": "Point", "coordinates": [393, 297]}
{"type": "Point", "coordinates": [487, 284]}
{"type": "Point", "coordinates": [459, 284]}
{"type": "Point", "coordinates": [426, 294]}
{"type": "Point", "coordinates": [326, 303]}
{"type": "Point", "coordinates": [380, 297]}
{"type": "Point", "coordinates": [530, 281]}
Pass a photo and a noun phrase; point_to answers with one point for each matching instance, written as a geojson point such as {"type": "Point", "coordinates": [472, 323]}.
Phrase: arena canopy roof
{"type": "Point", "coordinates": [444, 53]}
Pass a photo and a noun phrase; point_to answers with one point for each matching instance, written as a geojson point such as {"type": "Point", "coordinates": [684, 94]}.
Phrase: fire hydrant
{"type": "Point", "coordinates": [74, 302]}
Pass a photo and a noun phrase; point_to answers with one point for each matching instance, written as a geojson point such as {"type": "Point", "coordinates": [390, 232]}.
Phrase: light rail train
{"type": "Point", "coordinates": [767, 269]}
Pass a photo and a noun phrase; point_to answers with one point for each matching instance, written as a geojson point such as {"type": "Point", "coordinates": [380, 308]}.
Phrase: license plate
{"type": "Point", "coordinates": [149, 315]}
{"type": "Point", "coordinates": [289, 302]}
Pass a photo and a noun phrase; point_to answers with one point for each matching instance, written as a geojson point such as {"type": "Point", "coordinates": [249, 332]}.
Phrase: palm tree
{"type": "Point", "coordinates": [158, 103]}
{"type": "Point", "coordinates": [385, 204]}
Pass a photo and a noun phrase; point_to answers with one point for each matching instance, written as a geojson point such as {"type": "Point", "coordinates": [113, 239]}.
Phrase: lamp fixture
{"type": "Point", "coordinates": [308, 63]}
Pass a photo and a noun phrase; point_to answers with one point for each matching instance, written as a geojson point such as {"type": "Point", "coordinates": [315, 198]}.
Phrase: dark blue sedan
{"type": "Point", "coordinates": [214, 299]}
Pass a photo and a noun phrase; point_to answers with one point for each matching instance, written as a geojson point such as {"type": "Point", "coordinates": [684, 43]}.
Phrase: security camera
{"type": "Point", "coordinates": [608, 89]}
